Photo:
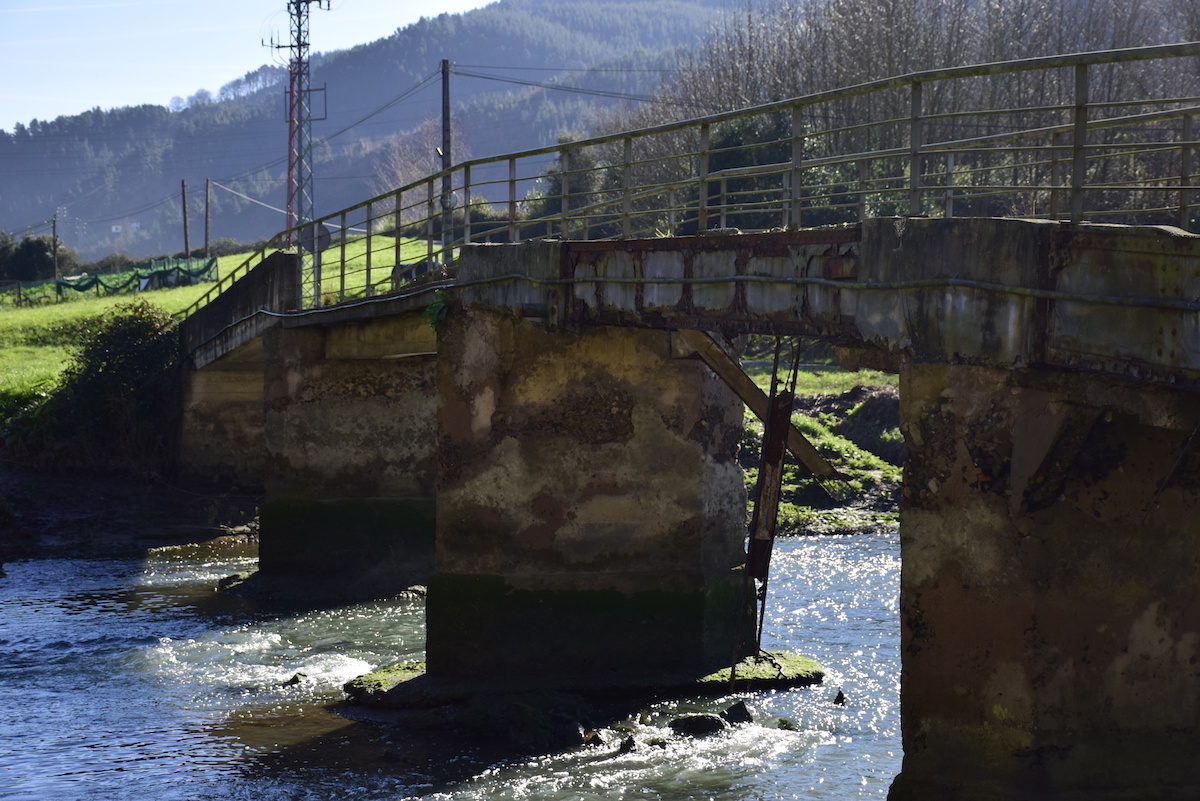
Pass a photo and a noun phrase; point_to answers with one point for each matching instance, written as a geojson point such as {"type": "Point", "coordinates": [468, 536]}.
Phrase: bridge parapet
{"type": "Point", "coordinates": [1116, 300]}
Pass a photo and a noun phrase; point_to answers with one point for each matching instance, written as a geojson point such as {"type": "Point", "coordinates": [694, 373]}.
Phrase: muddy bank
{"type": "Point", "coordinates": [69, 514]}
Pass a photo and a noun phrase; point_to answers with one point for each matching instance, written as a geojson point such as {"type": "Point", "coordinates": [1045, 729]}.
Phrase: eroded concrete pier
{"type": "Point", "coordinates": [1050, 598]}
{"type": "Point", "coordinates": [590, 509]}
{"type": "Point", "coordinates": [350, 432]}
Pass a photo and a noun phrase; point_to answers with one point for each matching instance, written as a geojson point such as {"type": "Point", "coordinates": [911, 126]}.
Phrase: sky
{"type": "Point", "coordinates": [62, 57]}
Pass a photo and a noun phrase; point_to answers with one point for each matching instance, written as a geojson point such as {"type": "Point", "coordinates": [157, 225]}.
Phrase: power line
{"type": "Point", "coordinates": [580, 90]}
{"type": "Point", "coordinates": [569, 69]}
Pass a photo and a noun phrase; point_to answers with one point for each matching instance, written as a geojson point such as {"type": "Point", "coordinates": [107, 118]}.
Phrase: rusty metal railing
{"type": "Point", "coordinates": [895, 146]}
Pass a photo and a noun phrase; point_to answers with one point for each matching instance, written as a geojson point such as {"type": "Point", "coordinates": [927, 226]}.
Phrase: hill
{"type": "Point", "coordinates": [113, 176]}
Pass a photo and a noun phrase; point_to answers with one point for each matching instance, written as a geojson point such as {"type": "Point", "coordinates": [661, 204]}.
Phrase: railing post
{"type": "Point", "coordinates": [915, 141]}
{"type": "Point", "coordinates": [1056, 176]}
{"type": "Point", "coordinates": [369, 290]}
{"type": "Point", "coordinates": [430, 209]}
{"type": "Point", "coordinates": [722, 204]}
{"type": "Point", "coordinates": [864, 171]}
{"type": "Point", "coordinates": [342, 257]}
{"type": "Point", "coordinates": [316, 263]}
{"type": "Point", "coordinates": [671, 219]}
{"type": "Point", "coordinates": [702, 175]}
{"type": "Point", "coordinates": [398, 223]}
{"type": "Point", "coordinates": [467, 204]}
{"type": "Point", "coordinates": [627, 189]}
{"type": "Point", "coordinates": [1185, 174]}
{"type": "Point", "coordinates": [514, 233]}
{"type": "Point", "coordinates": [949, 185]}
{"type": "Point", "coordinates": [564, 205]}
{"type": "Point", "coordinates": [794, 220]}
{"type": "Point", "coordinates": [1079, 140]}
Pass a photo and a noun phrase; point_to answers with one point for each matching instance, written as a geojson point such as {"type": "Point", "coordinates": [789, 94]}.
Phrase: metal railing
{"type": "Point", "coordinates": [946, 142]}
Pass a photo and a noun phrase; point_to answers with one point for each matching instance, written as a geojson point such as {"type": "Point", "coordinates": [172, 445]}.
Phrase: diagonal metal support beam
{"type": "Point", "coordinates": [755, 399]}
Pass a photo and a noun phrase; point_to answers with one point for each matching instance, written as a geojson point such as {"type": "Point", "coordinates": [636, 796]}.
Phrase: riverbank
{"type": "Point", "coordinates": [47, 514]}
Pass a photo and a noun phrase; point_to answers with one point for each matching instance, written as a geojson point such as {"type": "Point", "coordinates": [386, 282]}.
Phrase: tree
{"type": "Point", "coordinates": [411, 156]}
{"type": "Point", "coordinates": [8, 246]}
{"type": "Point", "coordinates": [33, 259]}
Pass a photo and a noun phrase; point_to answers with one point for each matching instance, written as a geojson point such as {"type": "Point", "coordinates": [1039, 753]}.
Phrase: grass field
{"type": "Point", "coordinates": [34, 340]}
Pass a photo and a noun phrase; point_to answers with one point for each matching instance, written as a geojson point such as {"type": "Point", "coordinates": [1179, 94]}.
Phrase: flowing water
{"type": "Point", "coordinates": [134, 679]}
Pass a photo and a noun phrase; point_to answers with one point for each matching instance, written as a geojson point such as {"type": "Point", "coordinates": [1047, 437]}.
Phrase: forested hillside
{"type": "Point", "coordinates": [113, 177]}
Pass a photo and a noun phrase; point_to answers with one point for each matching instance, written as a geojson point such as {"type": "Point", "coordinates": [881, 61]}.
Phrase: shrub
{"type": "Point", "coordinates": [116, 405]}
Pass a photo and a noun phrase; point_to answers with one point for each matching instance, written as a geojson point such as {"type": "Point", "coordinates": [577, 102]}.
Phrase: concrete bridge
{"type": "Point", "coordinates": [532, 433]}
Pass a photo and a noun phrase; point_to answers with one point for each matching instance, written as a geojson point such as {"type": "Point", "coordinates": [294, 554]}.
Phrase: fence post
{"type": "Point", "coordinates": [915, 141]}
{"type": "Point", "coordinates": [949, 185]}
{"type": "Point", "coordinates": [514, 233]}
{"type": "Point", "coordinates": [467, 204]}
{"type": "Point", "coordinates": [368, 290]}
{"type": "Point", "coordinates": [722, 204]}
{"type": "Point", "coordinates": [1185, 173]}
{"type": "Point", "coordinates": [1079, 140]}
{"type": "Point", "coordinates": [627, 189]}
{"type": "Point", "coordinates": [797, 161]}
{"type": "Point", "coordinates": [702, 174]}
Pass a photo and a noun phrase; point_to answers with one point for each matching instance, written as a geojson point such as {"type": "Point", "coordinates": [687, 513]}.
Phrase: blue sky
{"type": "Point", "coordinates": [66, 56]}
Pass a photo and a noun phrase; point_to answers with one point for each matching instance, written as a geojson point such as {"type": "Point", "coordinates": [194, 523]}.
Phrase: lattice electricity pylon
{"type": "Point", "coordinates": [300, 195]}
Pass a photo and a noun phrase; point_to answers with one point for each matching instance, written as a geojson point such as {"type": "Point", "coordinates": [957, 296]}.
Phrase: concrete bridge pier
{"type": "Point", "coordinates": [589, 508]}
{"type": "Point", "coordinates": [1050, 600]}
{"type": "Point", "coordinates": [350, 430]}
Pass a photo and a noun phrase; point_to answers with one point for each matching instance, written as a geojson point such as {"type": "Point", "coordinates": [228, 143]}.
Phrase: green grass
{"type": "Point", "coordinates": [866, 496]}
{"type": "Point", "coordinates": [336, 287]}
{"type": "Point", "coordinates": [34, 340]}
{"type": "Point", "coordinates": [831, 380]}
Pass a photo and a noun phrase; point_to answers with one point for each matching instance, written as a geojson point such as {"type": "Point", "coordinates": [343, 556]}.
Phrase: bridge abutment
{"type": "Point", "coordinates": [590, 509]}
{"type": "Point", "coordinates": [1050, 599]}
{"type": "Point", "coordinates": [350, 421]}
{"type": "Point", "coordinates": [221, 437]}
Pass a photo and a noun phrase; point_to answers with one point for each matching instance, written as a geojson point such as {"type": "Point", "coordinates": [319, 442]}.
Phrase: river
{"type": "Point", "coordinates": [134, 679]}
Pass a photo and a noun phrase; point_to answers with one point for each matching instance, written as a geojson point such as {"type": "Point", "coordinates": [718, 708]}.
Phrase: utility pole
{"type": "Point", "coordinates": [207, 215]}
{"type": "Point", "coordinates": [54, 244]}
{"type": "Point", "coordinates": [447, 187]}
{"type": "Point", "coordinates": [187, 247]}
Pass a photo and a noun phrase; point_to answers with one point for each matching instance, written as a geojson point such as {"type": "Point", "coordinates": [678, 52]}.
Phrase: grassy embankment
{"type": "Point", "coordinates": [35, 340]}
{"type": "Point", "coordinates": [847, 416]}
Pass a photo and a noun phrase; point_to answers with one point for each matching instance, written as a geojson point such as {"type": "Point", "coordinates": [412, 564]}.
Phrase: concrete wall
{"type": "Point", "coordinates": [1050, 599]}
{"type": "Point", "coordinates": [590, 508]}
{"type": "Point", "coordinates": [350, 416]}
